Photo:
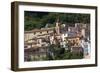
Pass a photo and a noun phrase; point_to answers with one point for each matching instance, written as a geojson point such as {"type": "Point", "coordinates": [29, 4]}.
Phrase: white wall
{"type": "Point", "coordinates": [5, 28]}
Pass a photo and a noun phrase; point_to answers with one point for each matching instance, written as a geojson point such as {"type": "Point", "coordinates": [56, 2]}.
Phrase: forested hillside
{"type": "Point", "coordinates": [37, 20]}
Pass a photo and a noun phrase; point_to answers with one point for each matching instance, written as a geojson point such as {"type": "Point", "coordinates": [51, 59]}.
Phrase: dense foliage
{"type": "Point", "coordinates": [39, 20]}
{"type": "Point", "coordinates": [59, 53]}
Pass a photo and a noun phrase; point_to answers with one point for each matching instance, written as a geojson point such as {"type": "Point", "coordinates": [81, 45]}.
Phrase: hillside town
{"type": "Point", "coordinates": [75, 38]}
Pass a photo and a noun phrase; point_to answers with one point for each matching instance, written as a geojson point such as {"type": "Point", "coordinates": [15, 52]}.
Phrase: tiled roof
{"type": "Point", "coordinates": [39, 30]}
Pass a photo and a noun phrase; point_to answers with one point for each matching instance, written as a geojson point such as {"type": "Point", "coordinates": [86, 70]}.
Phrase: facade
{"type": "Point", "coordinates": [37, 32]}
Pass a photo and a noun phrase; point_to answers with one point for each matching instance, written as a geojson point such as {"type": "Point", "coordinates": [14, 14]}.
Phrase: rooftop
{"type": "Point", "coordinates": [39, 30]}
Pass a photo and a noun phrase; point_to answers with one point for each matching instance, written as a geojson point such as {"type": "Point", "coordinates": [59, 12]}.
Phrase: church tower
{"type": "Point", "coordinates": [57, 28]}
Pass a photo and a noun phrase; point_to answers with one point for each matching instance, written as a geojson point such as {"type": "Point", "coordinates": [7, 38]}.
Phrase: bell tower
{"type": "Point", "coordinates": [57, 28]}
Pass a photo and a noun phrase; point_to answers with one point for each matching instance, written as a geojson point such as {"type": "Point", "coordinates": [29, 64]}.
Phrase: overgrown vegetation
{"type": "Point", "coordinates": [58, 53]}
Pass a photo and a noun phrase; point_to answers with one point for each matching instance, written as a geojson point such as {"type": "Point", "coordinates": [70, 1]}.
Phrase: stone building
{"type": "Point", "coordinates": [36, 41]}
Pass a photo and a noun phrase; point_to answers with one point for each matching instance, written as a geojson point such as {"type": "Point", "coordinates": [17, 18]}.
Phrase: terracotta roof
{"type": "Point", "coordinates": [37, 47]}
{"type": "Point", "coordinates": [74, 37]}
{"type": "Point", "coordinates": [39, 30]}
{"type": "Point", "coordinates": [30, 43]}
